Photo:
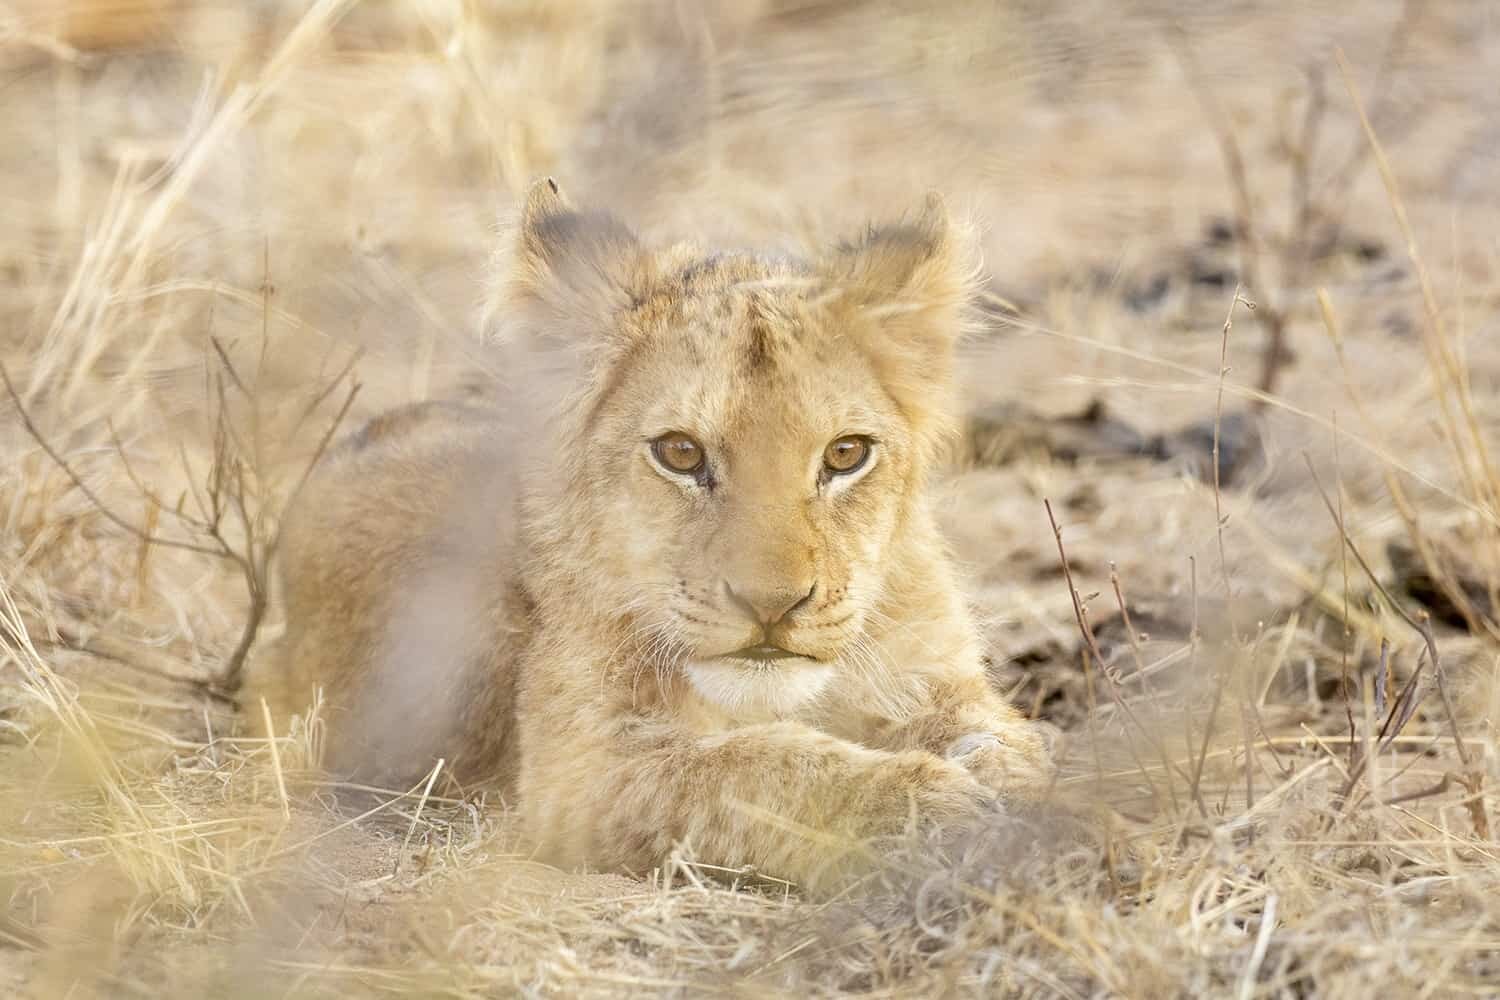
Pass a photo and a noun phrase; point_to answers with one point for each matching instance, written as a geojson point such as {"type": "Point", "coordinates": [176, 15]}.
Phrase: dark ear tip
{"type": "Point", "coordinates": [543, 199]}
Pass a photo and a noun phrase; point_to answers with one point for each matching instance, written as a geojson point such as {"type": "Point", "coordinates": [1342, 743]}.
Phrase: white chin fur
{"type": "Point", "coordinates": [758, 693]}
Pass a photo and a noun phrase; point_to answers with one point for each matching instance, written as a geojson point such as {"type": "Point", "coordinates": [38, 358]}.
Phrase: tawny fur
{"type": "Point", "coordinates": [543, 605]}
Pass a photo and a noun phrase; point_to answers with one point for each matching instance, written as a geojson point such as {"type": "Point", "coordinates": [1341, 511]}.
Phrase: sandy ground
{"type": "Point", "coordinates": [296, 182]}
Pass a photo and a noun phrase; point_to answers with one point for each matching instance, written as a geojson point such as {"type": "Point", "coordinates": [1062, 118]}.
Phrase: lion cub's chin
{"type": "Point", "coordinates": [758, 692]}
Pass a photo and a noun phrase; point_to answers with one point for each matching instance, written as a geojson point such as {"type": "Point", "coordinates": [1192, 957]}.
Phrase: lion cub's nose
{"type": "Point", "coordinates": [769, 605]}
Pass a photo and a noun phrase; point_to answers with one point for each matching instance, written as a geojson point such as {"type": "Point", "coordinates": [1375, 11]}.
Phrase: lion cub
{"type": "Point", "coordinates": [693, 597]}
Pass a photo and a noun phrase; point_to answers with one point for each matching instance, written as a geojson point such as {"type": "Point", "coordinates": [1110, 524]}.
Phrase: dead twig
{"type": "Point", "coordinates": [1248, 236]}
{"type": "Point", "coordinates": [1218, 426]}
{"type": "Point", "coordinates": [93, 498]}
{"type": "Point", "coordinates": [233, 487]}
{"type": "Point", "coordinates": [1421, 623]}
{"type": "Point", "coordinates": [1091, 651]}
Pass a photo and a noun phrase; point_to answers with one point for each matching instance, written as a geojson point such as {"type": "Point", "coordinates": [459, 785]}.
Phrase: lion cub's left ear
{"type": "Point", "coordinates": [569, 273]}
{"type": "Point", "coordinates": [905, 290]}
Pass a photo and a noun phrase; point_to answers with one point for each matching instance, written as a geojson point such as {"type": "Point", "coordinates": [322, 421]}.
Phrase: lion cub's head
{"type": "Point", "coordinates": [729, 482]}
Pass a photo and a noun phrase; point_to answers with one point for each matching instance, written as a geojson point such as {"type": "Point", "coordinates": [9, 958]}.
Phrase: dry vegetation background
{"type": "Point", "coordinates": [209, 209]}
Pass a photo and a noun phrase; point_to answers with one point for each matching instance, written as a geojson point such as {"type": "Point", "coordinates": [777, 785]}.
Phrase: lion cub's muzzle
{"type": "Point", "coordinates": [768, 605]}
{"type": "Point", "coordinates": [768, 608]}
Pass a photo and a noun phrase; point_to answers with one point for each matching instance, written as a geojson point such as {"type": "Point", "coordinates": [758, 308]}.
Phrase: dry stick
{"type": "Point", "coordinates": [1091, 648]}
{"type": "Point", "coordinates": [154, 502]}
{"type": "Point", "coordinates": [222, 482]}
{"type": "Point", "coordinates": [1246, 703]}
{"type": "Point", "coordinates": [1422, 625]}
{"type": "Point", "coordinates": [1083, 651]}
{"type": "Point", "coordinates": [89, 494]}
{"type": "Point", "coordinates": [225, 432]}
{"type": "Point", "coordinates": [234, 375]}
{"type": "Point", "coordinates": [229, 678]}
{"type": "Point", "coordinates": [1146, 685]}
{"type": "Point", "coordinates": [1476, 622]}
{"type": "Point", "coordinates": [259, 599]}
{"type": "Point", "coordinates": [1088, 650]}
{"type": "Point", "coordinates": [1218, 423]}
{"type": "Point", "coordinates": [328, 434]}
{"type": "Point", "coordinates": [322, 394]}
{"type": "Point", "coordinates": [255, 579]}
{"type": "Point", "coordinates": [1304, 208]}
{"type": "Point", "coordinates": [1406, 702]}
{"type": "Point", "coordinates": [1247, 236]}
{"type": "Point", "coordinates": [1396, 720]}
{"type": "Point", "coordinates": [133, 656]}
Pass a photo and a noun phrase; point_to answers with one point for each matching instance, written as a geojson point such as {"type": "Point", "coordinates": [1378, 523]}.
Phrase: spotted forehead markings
{"type": "Point", "coordinates": [719, 283]}
{"type": "Point", "coordinates": [759, 353]}
{"type": "Point", "coordinates": [669, 295]}
{"type": "Point", "coordinates": [701, 268]}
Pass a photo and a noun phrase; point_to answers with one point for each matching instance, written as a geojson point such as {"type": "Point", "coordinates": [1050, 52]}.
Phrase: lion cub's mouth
{"type": "Point", "coordinates": [763, 653]}
{"type": "Point", "coordinates": [759, 683]}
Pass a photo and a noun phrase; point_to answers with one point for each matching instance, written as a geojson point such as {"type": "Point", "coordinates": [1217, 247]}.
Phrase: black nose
{"type": "Point", "coordinates": [769, 605]}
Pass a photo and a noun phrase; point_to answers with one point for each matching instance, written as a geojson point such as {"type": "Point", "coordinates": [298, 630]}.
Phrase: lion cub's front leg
{"type": "Point", "coordinates": [791, 801]}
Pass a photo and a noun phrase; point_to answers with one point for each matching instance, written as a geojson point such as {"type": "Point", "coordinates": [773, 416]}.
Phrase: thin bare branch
{"type": "Point", "coordinates": [146, 492]}
{"type": "Point", "coordinates": [1421, 623]}
{"type": "Point", "coordinates": [104, 509]}
{"type": "Point", "coordinates": [1091, 650]}
{"type": "Point", "coordinates": [327, 438]}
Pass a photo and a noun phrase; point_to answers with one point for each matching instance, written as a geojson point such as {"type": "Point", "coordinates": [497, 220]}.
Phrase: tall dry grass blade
{"type": "Point", "coordinates": [1450, 377]}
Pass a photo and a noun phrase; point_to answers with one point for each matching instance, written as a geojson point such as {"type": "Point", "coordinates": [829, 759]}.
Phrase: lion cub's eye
{"type": "Point", "coordinates": [846, 454]}
{"type": "Point", "coordinates": [678, 453]}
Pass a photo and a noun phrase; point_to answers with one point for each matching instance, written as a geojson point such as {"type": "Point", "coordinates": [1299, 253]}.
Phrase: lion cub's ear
{"type": "Point", "coordinates": [904, 289]}
{"type": "Point", "coordinates": [569, 272]}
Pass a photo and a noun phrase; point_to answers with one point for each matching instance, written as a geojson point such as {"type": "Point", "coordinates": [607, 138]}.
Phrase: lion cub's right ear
{"type": "Point", "coordinates": [570, 272]}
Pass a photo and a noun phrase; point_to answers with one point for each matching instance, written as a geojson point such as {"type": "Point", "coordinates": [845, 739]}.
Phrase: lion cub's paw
{"type": "Point", "coordinates": [1018, 757]}
{"type": "Point", "coordinates": [943, 792]}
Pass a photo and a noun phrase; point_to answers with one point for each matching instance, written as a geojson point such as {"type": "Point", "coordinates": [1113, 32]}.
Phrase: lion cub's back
{"type": "Point", "coordinates": [397, 569]}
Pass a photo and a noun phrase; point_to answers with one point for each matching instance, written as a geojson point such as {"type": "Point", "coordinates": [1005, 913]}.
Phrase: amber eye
{"type": "Point", "coordinates": [846, 454]}
{"type": "Point", "coordinates": [678, 453]}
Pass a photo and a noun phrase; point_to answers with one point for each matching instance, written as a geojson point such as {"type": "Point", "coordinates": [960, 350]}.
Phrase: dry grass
{"type": "Point", "coordinates": [1283, 675]}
